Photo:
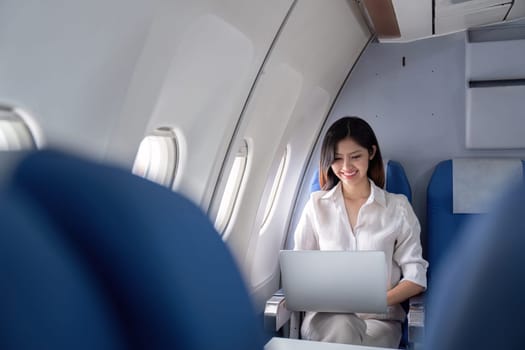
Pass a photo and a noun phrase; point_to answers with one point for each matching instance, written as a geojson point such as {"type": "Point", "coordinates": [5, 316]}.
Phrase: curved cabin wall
{"type": "Point", "coordinates": [196, 71]}
{"type": "Point", "coordinates": [316, 48]}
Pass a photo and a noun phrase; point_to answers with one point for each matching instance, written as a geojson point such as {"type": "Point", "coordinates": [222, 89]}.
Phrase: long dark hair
{"type": "Point", "coordinates": [360, 131]}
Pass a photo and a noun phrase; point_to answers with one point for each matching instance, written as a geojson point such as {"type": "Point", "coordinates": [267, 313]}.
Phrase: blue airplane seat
{"type": "Point", "coordinates": [396, 180]}
{"type": "Point", "coordinates": [314, 183]}
{"type": "Point", "coordinates": [455, 196]}
{"type": "Point", "coordinates": [97, 258]}
{"type": "Point", "coordinates": [477, 299]}
{"type": "Point", "coordinates": [48, 298]}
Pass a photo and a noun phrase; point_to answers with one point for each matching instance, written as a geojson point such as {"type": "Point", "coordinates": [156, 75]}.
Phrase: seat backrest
{"type": "Point", "coordinates": [95, 257]}
{"type": "Point", "coordinates": [458, 192]}
{"type": "Point", "coordinates": [396, 180]}
{"type": "Point", "coordinates": [476, 301]}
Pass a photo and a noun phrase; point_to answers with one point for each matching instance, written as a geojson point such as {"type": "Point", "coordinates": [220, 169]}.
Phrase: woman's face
{"type": "Point", "coordinates": [351, 162]}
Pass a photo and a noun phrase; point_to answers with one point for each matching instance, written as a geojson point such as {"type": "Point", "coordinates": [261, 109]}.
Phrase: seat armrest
{"type": "Point", "coordinates": [275, 312]}
{"type": "Point", "coordinates": [416, 320]}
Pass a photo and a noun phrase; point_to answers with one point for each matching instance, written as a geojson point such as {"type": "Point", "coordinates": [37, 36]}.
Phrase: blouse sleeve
{"type": "Point", "coordinates": [407, 251]}
{"type": "Point", "coordinates": [305, 237]}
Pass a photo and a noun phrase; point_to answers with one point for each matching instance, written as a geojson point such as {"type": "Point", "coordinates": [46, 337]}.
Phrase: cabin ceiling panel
{"type": "Point", "coordinates": [454, 7]}
{"type": "Point", "coordinates": [419, 19]}
{"type": "Point", "coordinates": [517, 10]}
{"type": "Point", "coordinates": [414, 18]}
{"type": "Point", "coordinates": [452, 22]}
{"type": "Point", "coordinates": [452, 16]}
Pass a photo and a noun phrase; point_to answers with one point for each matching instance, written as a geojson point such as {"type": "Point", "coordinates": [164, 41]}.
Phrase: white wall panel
{"type": "Point", "coordinates": [201, 95]}
{"type": "Point", "coordinates": [495, 60]}
{"type": "Point", "coordinates": [495, 117]}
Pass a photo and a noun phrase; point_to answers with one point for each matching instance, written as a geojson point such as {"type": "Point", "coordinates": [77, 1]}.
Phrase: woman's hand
{"type": "Point", "coordinates": [402, 291]}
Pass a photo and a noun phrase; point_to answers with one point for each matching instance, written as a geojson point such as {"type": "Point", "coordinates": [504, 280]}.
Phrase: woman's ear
{"type": "Point", "coordinates": [373, 152]}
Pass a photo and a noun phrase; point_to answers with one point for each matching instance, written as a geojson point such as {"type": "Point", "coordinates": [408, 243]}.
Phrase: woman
{"type": "Point", "coordinates": [353, 212]}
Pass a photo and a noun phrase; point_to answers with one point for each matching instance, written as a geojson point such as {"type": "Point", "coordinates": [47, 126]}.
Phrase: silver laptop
{"type": "Point", "coordinates": [334, 281]}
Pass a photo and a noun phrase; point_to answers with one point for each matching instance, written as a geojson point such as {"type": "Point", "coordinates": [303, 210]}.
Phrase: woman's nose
{"type": "Point", "coordinates": [347, 163]}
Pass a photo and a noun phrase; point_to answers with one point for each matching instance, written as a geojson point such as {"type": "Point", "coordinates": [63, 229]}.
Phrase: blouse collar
{"type": "Point", "coordinates": [376, 194]}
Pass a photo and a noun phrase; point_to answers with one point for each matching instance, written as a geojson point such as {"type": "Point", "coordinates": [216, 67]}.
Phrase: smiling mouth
{"type": "Point", "coordinates": [349, 174]}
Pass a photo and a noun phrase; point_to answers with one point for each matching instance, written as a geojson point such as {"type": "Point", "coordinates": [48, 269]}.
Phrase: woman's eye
{"type": "Point", "coordinates": [356, 157]}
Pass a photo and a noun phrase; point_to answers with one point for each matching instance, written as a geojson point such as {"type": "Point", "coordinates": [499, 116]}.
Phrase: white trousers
{"type": "Point", "coordinates": [350, 329]}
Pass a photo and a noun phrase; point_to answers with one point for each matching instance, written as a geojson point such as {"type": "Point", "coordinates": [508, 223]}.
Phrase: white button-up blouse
{"type": "Point", "coordinates": [385, 222]}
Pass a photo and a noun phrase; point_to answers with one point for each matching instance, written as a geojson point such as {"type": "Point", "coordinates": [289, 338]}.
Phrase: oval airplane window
{"type": "Point", "coordinates": [231, 190]}
{"type": "Point", "coordinates": [275, 190]}
{"type": "Point", "coordinates": [15, 134]}
{"type": "Point", "coordinates": [156, 159]}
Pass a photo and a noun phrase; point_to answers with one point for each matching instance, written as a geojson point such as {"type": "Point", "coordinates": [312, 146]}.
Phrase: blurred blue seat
{"type": "Point", "coordinates": [476, 301]}
{"type": "Point", "coordinates": [458, 192]}
{"type": "Point", "coordinates": [96, 258]}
